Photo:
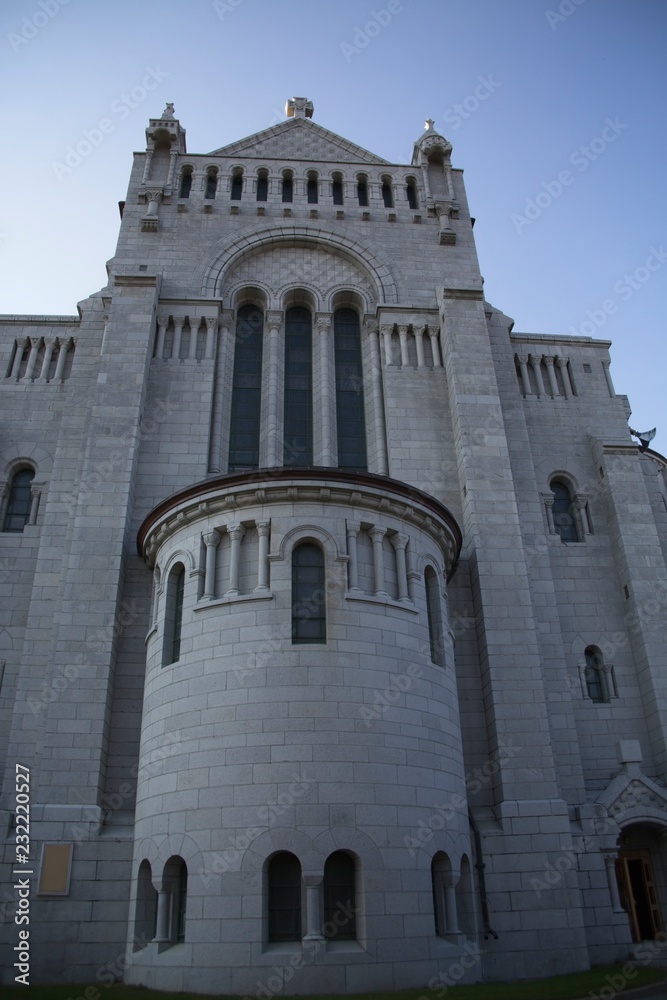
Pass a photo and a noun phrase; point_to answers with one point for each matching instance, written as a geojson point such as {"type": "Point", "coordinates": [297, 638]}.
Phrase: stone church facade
{"type": "Point", "coordinates": [332, 620]}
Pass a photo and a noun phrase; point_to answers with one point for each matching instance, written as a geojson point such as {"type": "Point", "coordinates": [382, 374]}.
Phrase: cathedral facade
{"type": "Point", "coordinates": [332, 628]}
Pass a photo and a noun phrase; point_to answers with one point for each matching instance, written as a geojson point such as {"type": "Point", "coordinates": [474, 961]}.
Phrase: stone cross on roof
{"type": "Point", "coordinates": [299, 107]}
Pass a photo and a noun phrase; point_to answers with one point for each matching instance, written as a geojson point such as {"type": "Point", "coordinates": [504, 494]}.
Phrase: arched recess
{"type": "Point", "coordinates": [371, 260]}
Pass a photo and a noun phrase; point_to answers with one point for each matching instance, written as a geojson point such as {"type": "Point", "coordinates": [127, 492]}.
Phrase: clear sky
{"type": "Point", "coordinates": [555, 109]}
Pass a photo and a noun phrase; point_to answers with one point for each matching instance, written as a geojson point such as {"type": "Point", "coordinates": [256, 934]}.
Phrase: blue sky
{"type": "Point", "coordinates": [555, 109]}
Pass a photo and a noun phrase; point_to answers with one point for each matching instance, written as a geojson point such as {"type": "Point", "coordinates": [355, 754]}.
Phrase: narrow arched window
{"type": "Point", "coordinates": [19, 499]}
{"type": "Point", "coordinates": [237, 185]}
{"type": "Point", "coordinates": [174, 615]}
{"type": "Point", "coordinates": [311, 188]}
{"type": "Point", "coordinates": [186, 183]}
{"type": "Point", "coordinates": [308, 595]}
{"type": "Point", "coordinates": [350, 419]}
{"type": "Point", "coordinates": [211, 183]}
{"type": "Point", "coordinates": [288, 186]}
{"type": "Point", "coordinates": [434, 616]}
{"type": "Point", "coordinates": [337, 190]}
{"type": "Point", "coordinates": [145, 916]}
{"type": "Point", "coordinates": [284, 897]}
{"type": "Point", "coordinates": [411, 192]}
{"type": "Point", "coordinates": [246, 390]}
{"type": "Point", "coordinates": [440, 872]}
{"type": "Point", "coordinates": [175, 883]}
{"type": "Point", "coordinates": [298, 399]}
{"type": "Point", "coordinates": [565, 520]}
{"type": "Point", "coordinates": [600, 684]}
{"type": "Point", "coordinates": [387, 193]}
{"type": "Point", "coordinates": [340, 906]}
{"type": "Point", "coordinates": [262, 186]}
{"type": "Point", "coordinates": [362, 191]}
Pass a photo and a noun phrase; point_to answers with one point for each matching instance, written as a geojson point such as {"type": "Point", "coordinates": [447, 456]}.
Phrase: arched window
{"type": "Point", "coordinates": [211, 182]}
{"type": "Point", "coordinates": [288, 186]}
{"type": "Point", "coordinates": [246, 390]}
{"type": "Point", "coordinates": [175, 882]}
{"type": "Point", "coordinates": [237, 185]}
{"type": "Point", "coordinates": [19, 499]}
{"type": "Point", "coordinates": [350, 420]}
{"type": "Point", "coordinates": [362, 191]}
{"type": "Point", "coordinates": [411, 192]}
{"type": "Point", "coordinates": [186, 183]}
{"type": "Point", "coordinates": [311, 188]}
{"type": "Point", "coordinates": [340, 916]}
{"type": "Point", "coordinates": [441, 870]}
{"type": "Point", "coordinates": [146, 910]}
{"type": "Point", "coordinates": [387, 193]}
{"type": "Point", "coordinates": [298, 410]}
{"type": "Point", "coordinates": [309, 623]}
{"type": "Point", "coordinates": [599, 678]}
{"type": "Point", "coordinates": [284, 896]}
{"type": "Point", "coordinates": [564, 515]}
{"type": "Point", "coordinates": [171, 650]}
{"type": "Point", "coordinates": [434, 615]}
{"type": "Point", "coordinates": [337, 189]}
{"type": "Point", "coordinates": [262, 185]}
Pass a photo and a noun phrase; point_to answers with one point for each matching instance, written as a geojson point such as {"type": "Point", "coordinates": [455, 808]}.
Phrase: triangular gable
{"type": "Point", "coordinates": [299, 139]}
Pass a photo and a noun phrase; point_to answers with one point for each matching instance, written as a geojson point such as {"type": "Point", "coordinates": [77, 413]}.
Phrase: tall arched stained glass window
{"type": "Point", "coordinates": [350, 421]}
{"type": "Point", "coordinates": [298, 414]}
{"type": "Point", "coordinates": [17, 509]}
{"type": "Point", "coordinates": [284, 892]}
{"type": "Point", "coordinates": [246, 390]}
{"type": "Point", "coordinates": [308, 594]}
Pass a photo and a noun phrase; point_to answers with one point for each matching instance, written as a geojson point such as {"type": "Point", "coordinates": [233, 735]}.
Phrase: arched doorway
{"type": "Point", "coordinates": [642, 879]}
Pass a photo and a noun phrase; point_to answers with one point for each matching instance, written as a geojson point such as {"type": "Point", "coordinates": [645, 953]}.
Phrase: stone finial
{"type": "Point", "coordinates": [168, 111]}
{"type": "Point", "coordinates": [429, 124]}
{"type": "Point", "coordinates": [299, 107]}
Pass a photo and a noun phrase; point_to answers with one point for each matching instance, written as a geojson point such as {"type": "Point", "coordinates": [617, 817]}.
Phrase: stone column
{"type": "Point", "coordinates": [32, 360]}
{"type": "Point", "coordinates": [403, 337]}
{"type": "Point", "coordinates": [18, 356]}
{"type": "Point", "coordinates": [353, 561]}
{"type": "Point", "coordinates": [399, 542]}
{"type": "Point", "coordinates": [418, 332]}
{"type": "Point", "coordinates": [162, 924]}
{"type": "Point", "coordinates": [263, 528]}
{"type": "Point", "coordinates": [435, 348]}
{"type": "Point", "coordinates": [236, 533]}
{"type": "Point", "coordinates": [274, 321]}
{"type": "Point", "coordinates": [211, 330]}
{"type": "Point", "coordinates": [194, 330]}
{"type": "Point", "coordinates": [536, 362]}
{"type": "Point", "coordinates": [549, 361]}
{"type": "Point", "coordinates": [377, 534]}
{"type": "Point", "coordinates": [62, 358]}
{"type": "Point", "coordinates": [49, 346]}
{"type": "Point", "coordinates": [327, 394]}
{"type": "Point", "coordinates": [567, 385]}
{"type": "Point", "coordinates": [161, 334]}
{"type": "Point", "coordinates": [147, 166]}
{"type": "Point", "coordinates": [211, 541]}
{"type": "Point", "coordinates": [178, 332]}
{"type": "Point", "coordinates": [313, 885]}
{"type": "Point", "coordinates": [525, 378]}
{"type": "Point", "coordinates": [173, 156]}
{"type": "Point", "coordinates": [376, 392]}
{"type": "Point", "coordinates": [35, 495]}
{"type": "Point", "coordinates": [388, 349]}
{"type": "Point", "coordinates": [610, 866]}
{"type": "Point", "coordinates": [549, 507]}
{"type": "Point", "coordinates": [154, 199]}
{"type": "Point", "coordinates": [220, 415]}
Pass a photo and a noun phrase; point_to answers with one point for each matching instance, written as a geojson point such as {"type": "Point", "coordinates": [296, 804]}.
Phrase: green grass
{"type": "Point", "coordinates": [579, 985]}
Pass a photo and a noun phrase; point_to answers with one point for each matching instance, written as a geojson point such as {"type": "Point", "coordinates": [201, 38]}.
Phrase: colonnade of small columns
{"type": "Point", "coordinates": [418, 334]}
{"type": "Point", "coordinates": [539, 365]}
{"type": "Point", "coordinates": [236, 533]}
{"type": "Point", "coordinates": [376, 533]}
{"type": "Point", "coordinates": [40, 353]}
{"type": "Point", "coordinates": [185, 331]}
